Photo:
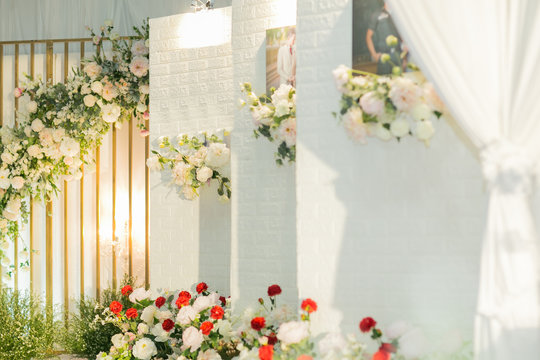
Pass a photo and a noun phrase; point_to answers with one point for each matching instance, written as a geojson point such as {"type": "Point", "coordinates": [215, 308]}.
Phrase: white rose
{"type": "Point", "coordinates": [141, 107]}
{"type": "Point", "coordinates": [147, 314]}
{"type": "Point", "coordinates": [11, 211]}
{"type": "Point", "coordinates": [186, 315]}
{"type": "Point", "coordinates": [218, 155]}
{"type": "Point", "coordinates": [144, 349]}
{"type": "Point", "coordinates": [204, 173]}
{"type": "Point", "coordinates": [90, 100]}
{"type": "Point", "coordinates": [69, 147]}
{"type": "Point", "coordinates": [139, 48]}
{"type": "Point", "coordinates": [142, 329]}
{"type": "Point", "coordinates": [421, 112]}
{"type": "Point", "coordinates": [31, 107]}
{"type": "Point", "coordinates": [293, 332]}
{"type": "Point", "coordinates": [92, 69]}
{"type": "Point", "coordinates": [139, 294]}
{"type": "Point", "coordinates": [34, 151]}
{"type": "Point", "coordinates": [372, 104]}
{"type": "Point", "coordinates": [118, 341]}
{"type": "Point", "coordinates": [97, 87]}
{"type": "Point", "coordinates": [7, 158]}
{"type": "Point", "coordinates": [424, 130]}
{"type": "Point", "coordinates": [111, 112]}
{"type": "Point", "coordinates": [192, 339]}
{"type": "Point", "coordinates": [163, 315]}
{"type": "Point", "coordinates": [400, 127]}
{"type": "Point", "coordinates": [37, 125]}
{"type": "Point", "coordinates": [202, 303]}
{"type": "Point", "coordinates": [17, 182]}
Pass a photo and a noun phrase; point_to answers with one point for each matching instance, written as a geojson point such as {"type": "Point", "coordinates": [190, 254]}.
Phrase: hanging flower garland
{"type": "Point", "coordinates": [274, 118]}
{"type": "Point", "coordinates": [387, 107]}
{"type": "Point", "coordinates": [60, 125]}
{"type": "Point", "coordinates": [194, 163]}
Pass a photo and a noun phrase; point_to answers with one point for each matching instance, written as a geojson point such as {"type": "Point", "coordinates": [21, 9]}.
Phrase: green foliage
{"type": "Point", "coordinates": [27, 328]}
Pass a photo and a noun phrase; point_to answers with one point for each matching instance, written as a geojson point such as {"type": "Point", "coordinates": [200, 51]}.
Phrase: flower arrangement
{"type": "Point", "coordinates": [193, 163]}
{"type": "Point", "coordinates": [387, 107]}
{"type": "Point", "coordinates": [202, 325]}
{"type": "Point", "coordinates": [274, 118]}
{"type": "Point", "coordinates": [59, 125]}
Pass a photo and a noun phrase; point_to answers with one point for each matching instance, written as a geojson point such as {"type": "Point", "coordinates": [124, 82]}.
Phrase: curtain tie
{"type": "Point", "coordinates": [507, 168]}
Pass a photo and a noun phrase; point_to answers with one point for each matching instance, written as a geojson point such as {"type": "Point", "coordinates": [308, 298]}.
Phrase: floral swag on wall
{"type": "Point", "coordinates": [59, 126]}
{"type": "Point", "coordinates": [387, 107]}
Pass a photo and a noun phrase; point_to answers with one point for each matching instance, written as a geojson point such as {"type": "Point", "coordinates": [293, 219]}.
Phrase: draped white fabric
{"type": "Point", "coordinates": [483, 58]}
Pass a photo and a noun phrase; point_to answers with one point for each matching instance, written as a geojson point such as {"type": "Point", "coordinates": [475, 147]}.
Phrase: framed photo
{"type": "Point", "coordinates": [372, 24]}
{"type": "Point", "coordinates": [280, 57]}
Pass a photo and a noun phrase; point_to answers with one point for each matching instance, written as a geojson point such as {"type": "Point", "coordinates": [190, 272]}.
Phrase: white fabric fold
{"type": "Point", "coordinates": [482, 56]}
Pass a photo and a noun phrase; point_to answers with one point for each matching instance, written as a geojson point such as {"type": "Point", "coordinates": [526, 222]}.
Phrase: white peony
{"type": "Point", "coordinates": [282, 108]}
{"type": "Point", "coordinates": [12, 209]}
{"type": "Point", "coordinates": [401, 126]}
{"type": "Point", "coordinates": [37, 125]}
{"type": "Point", "coordinates": [186, 315]}
{"type": "Point", "coordinates": [7, 157]}
{"type": "Point", "coordinates": [218, 155]}
{"type": "Point", "coordinates": [97, 87]}
{"type": "Point", "coordinates": [147, 314]}
{"type": "Point", "coordinates": [287, 131]}
{"type": "Point", "coordinates": [31, 107]}
{"type": "Point", "coordinates": [58, 135]}
{"type": "Point", "coordinates": [119, 340]}
{"type": "Point", "coordinates": [204, 173]}
{"type": "Point", "coordinates": [404, 93]}
{"type": "Point", "coordinates": [111, 112]}
{"type": "Point", "coordinates": [160, 334]}
{"type": "Point", "coordinates": [182, 173]}
{"type": "Point", "coordinates": [4, 179]}
{"type": "Point", "coordinates": [192, 339]}
{"type": "Point", "coordinates": [341, 77]}
{"type": "Point", "coordinates": [355, 126]}
{"type": "Point", "coordinates": [139, 294]}
{"type": "Point", "coordinates": [139, 48]}
{"type": "Point", "coordinates": [293, 332]}
{"type": "Point", "coordinates": [17, 182]}
{"type": "Point", "coordinates": [202, 303]}
{"type": "Point", "coordinates": [90, 100]}
{"type": "Point", "coordinates": [34, 151]}
{"type": "Point", "coordinates": [139, 66]}
{"type": "Point", "coordinates": [92, 69]}
{"type": "Point", "coordinates": [69, 147]}
{"type": "Point", "coordinates": [421, 112]}
{"type": "Point", "coordinates": [109, 92]}
{"type": "Point", "coordinates": [144, 349]}
{"type": "Point", "coordinates": [372, 104]}
{"type": "Point", "coordinates": [282, 93]}
{"type": "Point", "coordinates": [153, 163]}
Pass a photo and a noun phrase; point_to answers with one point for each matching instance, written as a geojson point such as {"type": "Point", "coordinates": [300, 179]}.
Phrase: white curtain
{"type": "Point", "coordinates": [484, 58]}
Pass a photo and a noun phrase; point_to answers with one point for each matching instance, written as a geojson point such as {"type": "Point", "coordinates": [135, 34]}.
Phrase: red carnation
{"type": "Point", "coordinates": [183, 299]}
{"type": "Point", "coordinates": [274, 290]}
{"type": "Point", "coordinates": [381, 355]}
{"type": "Point", "coordinates": [127, 290]}
{"type": "Point", "coordinates": [272, 339]}
{"type": "Point", "coordinates": [160, 301]}
{"type": "Point", "coordinates": [131, 313]}
{"type": "Point", "coordinates": [309, 306]}
{"type": "Point", "coordinates": [115, 307]}
{"type": "Point", "coordinates": [367, 324]}
{"type": "Point", "coordinates": [168, 325]}
{"type": "Point", "coordinates": [266, 352]}
{"type": "Point", "coordinates": [390, 348]}
{"type": "Point", "coordinates": [223, 300]}
{"type": "Point", "coordinates": [206, 327]}
{"type": "Point", "coordinates": [217, 312]}
{"type": "Point", "coordinates": [258, 323]}
{"type": "Point", "coordinates": [202, 287]}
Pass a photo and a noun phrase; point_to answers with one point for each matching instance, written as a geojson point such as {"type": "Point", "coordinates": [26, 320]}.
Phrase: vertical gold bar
{"type": "Point", "coordinates": [49, 215]}
{"type": "Point", "coordinates": [130, 225]}
{"type": "Point", "coordinates": [16, 84]}
{"type": "Point", "coordinates": [147, 211]}
{"type": "Point", "coordinates": [32, 232]}
{"type": "Point", "coordinates": [98, 256]}
{"type": "Point", "coordinates": [81, 211]}
{"type": "Point", "coordinates": [66, 220]}
{"type": "Point", "coordinates": [1, 85]}
{"type": "Point", "coordinates": [114, 207]}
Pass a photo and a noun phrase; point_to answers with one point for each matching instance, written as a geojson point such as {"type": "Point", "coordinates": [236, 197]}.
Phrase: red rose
{"type": "Point", "coordinates": [183, 299]}
{"type": "Point", "coordinates": [202, 287]}
{"type": "Point", "coordinates": [367, 324]}
{"type": "Point", "coordinates": [258, 323]}
{"type": "Point", "coordinates": [160, 301]}
{"type": "Point", "coordinates": [388, 348]}
{"type": "Point", "coordinates": [206, 327]}
{"type": "Point", "coordinates": [127, 290]}
{"type": "Point", "coordinates": [274, 290]}
{"type": "Point", "coordinates": [115, 307]}
{"type": "Point", "coordinates": [217, 312]}
{"type": "Point", "coordinates": [223, 300]}
{"type": "Point", "coordinates": [131, 313]}
{"type": "Point", "coordinates": [309, 306]}
{"type": "Point", "coordinates": [266, 352]}
{"type": "Point", "coordinates": [168, 325]}
{"type": "Point", "coordinates": [272, 339]}
{"type": "Point", "coordinates": [381, 355]}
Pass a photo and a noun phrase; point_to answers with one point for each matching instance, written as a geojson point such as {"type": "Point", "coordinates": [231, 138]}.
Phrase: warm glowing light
{"type": "Point", "coordinates": [205, 28]}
